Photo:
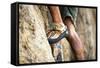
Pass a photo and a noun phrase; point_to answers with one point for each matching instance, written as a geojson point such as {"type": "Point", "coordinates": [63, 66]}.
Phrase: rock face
{"type": "Point", "coordinates": [33, 44]}
{"type": "Point", "coordinates": [33, 27]}
{"type": "Point", "coordinates": [86, 28]}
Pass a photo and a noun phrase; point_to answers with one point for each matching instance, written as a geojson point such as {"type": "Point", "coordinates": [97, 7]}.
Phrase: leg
{"type": "Point", "coordinates": [56, 17]}
{"type": "Point", "coordinates": [74, 39]}
{"type": "Point", "coordinates": [57, 20]}
{"type": "Point", "coordinates": [69, 15]}
{"type": "Point", "coordinates": [55, 13]}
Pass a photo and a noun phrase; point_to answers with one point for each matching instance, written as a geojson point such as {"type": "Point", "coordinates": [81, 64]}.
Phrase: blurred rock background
{"type": "Point", "coordinates": [33, 27]}
{"type": "Point", "coordinates": [86, 28]}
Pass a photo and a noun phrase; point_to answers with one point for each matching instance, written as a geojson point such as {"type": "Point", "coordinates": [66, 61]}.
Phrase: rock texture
{"type": "Point", "coordinates": [33, 28]}
{"type": "Point", "coordinates": [86, 28]}
{"type": "Point", "coordinates": [33, 44]}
